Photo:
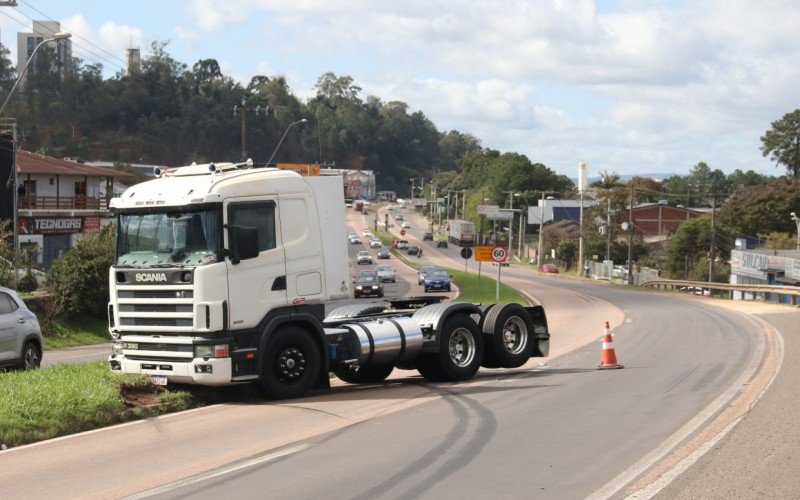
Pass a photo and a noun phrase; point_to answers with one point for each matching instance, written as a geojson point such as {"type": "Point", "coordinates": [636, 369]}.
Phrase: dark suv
{"type": "Point", "coordinates": [20, 335]}
{"type": "Point", "coordinates": [427, 237]}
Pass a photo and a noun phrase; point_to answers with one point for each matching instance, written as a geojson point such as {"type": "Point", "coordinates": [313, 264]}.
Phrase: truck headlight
{"type": "Point", "coordinates": [359, 287]}
{"type": "Point", "coordinates": [116, 348]}
{"type": "Point", "coordinates": [212, 351]}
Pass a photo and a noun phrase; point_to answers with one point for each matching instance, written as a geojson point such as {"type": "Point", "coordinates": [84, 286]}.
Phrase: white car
{"type": "Point", "coordinates": [355, 239]}
{"type": "Point", "coordinates": [366, 233]}
{"type": "Point", "coordinates": [399, 217]}
{"type": "Point", "coordinates": [386, 273]}
{"type": "Point", "coordinates": [389, 207]}
{"type": "Point", "coordinates": [364, 257]}
{"type": "Point", "coordinates": [405, 225]}
{"type": "Point", "coordinates": [375, 243]}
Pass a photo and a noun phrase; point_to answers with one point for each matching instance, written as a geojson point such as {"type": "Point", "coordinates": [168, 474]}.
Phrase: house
{"type": "Point", "coordinates": [655, 221]}
{"type": "Point", "coordinates": [57, 201]}
{"type": "Point", "coordinates": [764, 266]}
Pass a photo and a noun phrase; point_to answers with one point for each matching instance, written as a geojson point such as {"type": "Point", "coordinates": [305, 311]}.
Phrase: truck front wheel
{"type": "Point", "coordinates": [363, 374]}
{"type": "Point", "coordinates": [291, 364]}
{"type": "Point", "coordinates": [460, 352]}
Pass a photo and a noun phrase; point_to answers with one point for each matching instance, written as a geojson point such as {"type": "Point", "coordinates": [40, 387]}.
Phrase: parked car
{"type": "Point", "coordinates": [423, 271]}
{"type": "Point", "coordinates": [386, 273]}
{"type": "Point", "coordinates": [383, 253]}
{"type": "Point", "coordinates": [20, 334]}
{"type": "Point", "coordinates": [427, 237]}
{"type": "Point", "coordinates": [413, 250]}
{"type": "Point", "coordinates": [363, 257]}
{"type": "Point", "coordinates": [437, 279]}
{"type": "Point", "coordinates": [368, 285]}
{"type": "Point", "coordinates": [11, 275]}
{"type": "Point", "coordinates": [549, 268]}
{"type": "Point", "coordinates": [375, 243]}
{"type": "Point", "coordinates": [441, 244]}
{"type": "Point", "coordinates": [405, 225]}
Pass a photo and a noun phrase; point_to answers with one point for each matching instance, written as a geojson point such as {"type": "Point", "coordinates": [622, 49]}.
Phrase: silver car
{"type": "Point", "coordinates": [20, 335]}
{"type": "Point", "coordinates": [386, 273]}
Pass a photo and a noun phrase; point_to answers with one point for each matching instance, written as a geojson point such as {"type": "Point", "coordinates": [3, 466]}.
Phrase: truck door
{"type": "Point", "coordinates": [255, 286]}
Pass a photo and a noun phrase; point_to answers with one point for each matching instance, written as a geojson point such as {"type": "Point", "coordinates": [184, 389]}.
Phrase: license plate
{"type": "Point", "coordinates": [158, 379]}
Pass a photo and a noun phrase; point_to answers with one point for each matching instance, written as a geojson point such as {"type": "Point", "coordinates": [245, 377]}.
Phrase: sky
{"type": "Point", "coordinates": [629, 87]}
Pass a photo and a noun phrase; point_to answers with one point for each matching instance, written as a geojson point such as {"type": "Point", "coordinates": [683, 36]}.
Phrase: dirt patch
{"type": "Point", "coordinates": [141, 396]}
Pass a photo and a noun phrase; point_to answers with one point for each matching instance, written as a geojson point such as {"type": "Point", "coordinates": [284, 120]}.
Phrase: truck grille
{"type": "Point", "coordinates": [166, 309]}
{"type": "Point", "coordinates": [155, 294]}
{"type": "Point", "coordinates": [155, 322]}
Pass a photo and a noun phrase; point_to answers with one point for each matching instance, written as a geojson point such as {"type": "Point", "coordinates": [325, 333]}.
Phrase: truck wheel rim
{"type": "Point", "coordinates": [515, 335]}
{"type": "Point", "coordinates": [291, 364]}
{"type": "Point", "coordinates": [462, 347]}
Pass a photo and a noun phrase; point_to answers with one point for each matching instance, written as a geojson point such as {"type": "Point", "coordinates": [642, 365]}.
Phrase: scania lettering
{"type": "Point", "coordinates": [222, 272]}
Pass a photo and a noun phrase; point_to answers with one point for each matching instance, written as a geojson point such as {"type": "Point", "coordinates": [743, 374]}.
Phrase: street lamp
{"type": "Point", "coordinates": [303, 120]}
{"type": "Point", "coordinates": [796, 220]}
{"type": "Point", "coordinates": [55, 37]}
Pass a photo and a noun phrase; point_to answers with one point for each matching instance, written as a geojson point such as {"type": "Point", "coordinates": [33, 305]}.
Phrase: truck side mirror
{"type": "Point", "coordinates": [244, 242]}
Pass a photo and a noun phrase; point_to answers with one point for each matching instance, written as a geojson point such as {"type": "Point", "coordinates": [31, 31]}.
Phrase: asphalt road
{"type": "Point", "coordinates": [564, 430]}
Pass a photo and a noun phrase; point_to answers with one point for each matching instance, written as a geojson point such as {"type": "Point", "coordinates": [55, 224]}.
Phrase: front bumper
{"type": "Point", "coordinates": [182, 372]}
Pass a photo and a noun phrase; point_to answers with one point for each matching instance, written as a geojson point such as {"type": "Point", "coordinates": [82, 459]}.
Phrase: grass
{"type": "Point", "coordinates": [65, 399]}
{"type": "Point", "coordinates": [85, 330]}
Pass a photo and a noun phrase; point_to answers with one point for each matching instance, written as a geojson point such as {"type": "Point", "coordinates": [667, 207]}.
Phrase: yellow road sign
{"type": "Point", "coordinates": [483, 253]}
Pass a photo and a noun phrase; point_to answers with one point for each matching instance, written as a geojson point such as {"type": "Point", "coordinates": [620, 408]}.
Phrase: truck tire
{"type": "Point", "coordinates": [507, 336]}
{"type": "Point", "coordinates": [460, 352]}
{"type": "Point", "coordinates": [291, 364]}
{"type": "Point", "coordinates": [363, 374]}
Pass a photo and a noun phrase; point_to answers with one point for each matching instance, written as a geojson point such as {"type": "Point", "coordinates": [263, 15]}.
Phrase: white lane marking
{"type": "Point", "coordinates": [627, 476]}
{"type": "Point", "coordinates": [219, 472]}
{"type": "Point", "coordinates": [656, 486]}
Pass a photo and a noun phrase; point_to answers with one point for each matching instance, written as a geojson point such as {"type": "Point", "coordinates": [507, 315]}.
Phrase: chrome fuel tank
{"type": "Point", "coordinates": [384, 341]}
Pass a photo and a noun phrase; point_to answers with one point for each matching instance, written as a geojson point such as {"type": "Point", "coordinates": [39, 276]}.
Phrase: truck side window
{"type": "Point", "coordinates": [257, 214]}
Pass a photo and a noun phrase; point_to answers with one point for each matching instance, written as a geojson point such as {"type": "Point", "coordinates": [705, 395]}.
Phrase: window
{"type": "Point", "coordinates": [257, 214]}
{"type": "Point", "coordinates": [7, 304]}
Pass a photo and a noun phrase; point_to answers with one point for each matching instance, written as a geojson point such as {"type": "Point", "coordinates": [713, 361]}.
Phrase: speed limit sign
{"type": "Point", "coordinates": [499, 254]}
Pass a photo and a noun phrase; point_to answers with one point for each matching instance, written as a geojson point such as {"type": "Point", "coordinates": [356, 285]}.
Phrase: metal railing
{"type": "Point", "coordinates": [30, 202]}
{"type": "Point", "coordinates": [772, 293]}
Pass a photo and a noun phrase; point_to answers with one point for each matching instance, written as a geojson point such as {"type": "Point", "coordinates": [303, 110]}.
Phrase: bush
{"type": "Point", "coordinates": [78, 280]}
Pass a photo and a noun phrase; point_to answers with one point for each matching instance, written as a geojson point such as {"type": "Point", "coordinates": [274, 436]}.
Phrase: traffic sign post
{"type": "Point", "coordinates": [402, 232]}
{"type": "Point", "coordinates": [499, 255]}
{"type": "Point", "coordinates": [466, 253]}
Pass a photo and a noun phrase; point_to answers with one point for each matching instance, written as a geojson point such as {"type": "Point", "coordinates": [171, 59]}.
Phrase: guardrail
{"type": "Point", "coordinates": [771, 293]}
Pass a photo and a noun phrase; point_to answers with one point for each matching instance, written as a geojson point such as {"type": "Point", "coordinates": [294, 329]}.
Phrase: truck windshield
{"type": "Point", "coordinates": [168, 239]}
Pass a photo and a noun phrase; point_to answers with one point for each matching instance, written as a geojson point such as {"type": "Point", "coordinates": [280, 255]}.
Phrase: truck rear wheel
{"type": "Point", "coordinates": [290, 365]}
{"type": "Point", "coordinates": [507, 334]}
{"type": "Point", "coordinates": [460, 352]}
{"type": "Point", "coordinates": [363, 374]}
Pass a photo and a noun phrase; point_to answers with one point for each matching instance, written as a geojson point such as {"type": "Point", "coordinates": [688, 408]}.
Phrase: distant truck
{"type": "Point", "coordinates": [358, 205]}
{"type": "Point", "coordinates": [462, 233]}
{"type": "Point", "coordinates": [221, 275]}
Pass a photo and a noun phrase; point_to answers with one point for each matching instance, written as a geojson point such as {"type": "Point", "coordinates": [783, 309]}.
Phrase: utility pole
{"type": "Point", "coordinates": [630, 237]}
{"type": "Point", "coordinates": [541, 230]}
{"type": "Point", "coordinates": [244, 109]}
{"type": "Point", "coordinates": [608, 230]}
{"type": "Point", "coordinates": [711, 251]}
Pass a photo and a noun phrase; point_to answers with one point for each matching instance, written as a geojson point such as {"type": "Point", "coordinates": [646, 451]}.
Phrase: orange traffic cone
{"type": "Point", "coordinates": [608, 358]}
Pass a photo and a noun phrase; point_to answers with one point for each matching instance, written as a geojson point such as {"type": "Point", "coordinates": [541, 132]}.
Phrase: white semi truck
{"type": "Point", "coordinates": [221, 276]}
{"type": "Point", "coordinates": [461, 233]}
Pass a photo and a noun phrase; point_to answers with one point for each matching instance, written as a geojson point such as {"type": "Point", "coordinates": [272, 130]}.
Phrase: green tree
{"type": "Point", "coordinates": [782, 142]}
{"type": "Point", "coordinates": [691, 244]}
{"type": "Point", "coordinates": [764, 208]}
{"type": "Point", "coordinates": [78, 280]}
{"type": "Point", "coordinates": [566, 252]}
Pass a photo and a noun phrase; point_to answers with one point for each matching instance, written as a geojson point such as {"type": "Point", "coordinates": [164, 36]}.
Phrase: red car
{"type": "Point", "coordinates": [548, 268]}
